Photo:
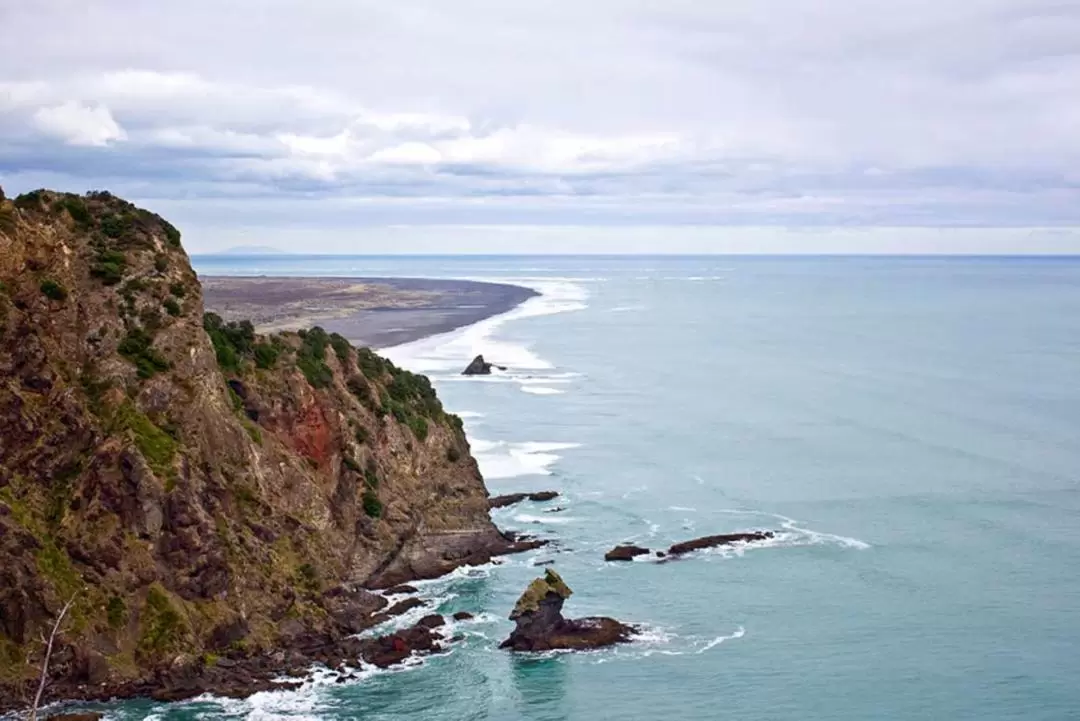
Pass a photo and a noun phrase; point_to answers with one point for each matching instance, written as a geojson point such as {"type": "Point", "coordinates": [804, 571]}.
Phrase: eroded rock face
{"type": "Point", "coordinates": [201, 486]}
{"type": "Point", "coordinates": [540, 625]}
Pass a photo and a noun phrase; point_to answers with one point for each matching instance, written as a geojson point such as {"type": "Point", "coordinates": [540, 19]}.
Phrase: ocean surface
{"type": "Point", "coordinates": [909, 427]}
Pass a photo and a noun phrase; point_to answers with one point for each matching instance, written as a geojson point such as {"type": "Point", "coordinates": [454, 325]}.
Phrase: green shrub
{"type": "Point", "coordinates": [178, 289]}
{"type": "Point", "coordinates": [76, 208]}
{"type": "Point", "coordinates": [137, 348]}
{"type": "Point", "coordinates": [116, 612]}
{"type": "Point", "coordinates": [117, 226]}
{"type": "Point", "coordinates": [266, 354]}
{"type": "Point", "coordinates": [30, 201]}
{"type": "Point", "coordinates": [161, 264]}
{"type": "Point", "coordinates": [231, 341]}
{"type": "Point", "coordinates": [360, 388]}
{"type": "Point", "coordinates": [362, 435]}
{"type": "Point", "coordinates": [350, 464]}
{"type": "Point", "coordinates": [311, 358]}
{"type": "Point", "coordinates": [453, 454]}
{"type": "Point", "coordinates": [171, 307]}
{"type": "Point", "coordinates": [172, 235]}
{"type": "Point", "coordinates": [371, 478]}
{"type": "Point", "coordinates": [53, 290]}
{"type": "Point", "coordinates": [372, 505]}
{"type": "Point", "coordinates": [371, 364]}
{"type": "Point", "coordinates": [109, 266]}
{"type": "Point", "coordinates": [341, 346]}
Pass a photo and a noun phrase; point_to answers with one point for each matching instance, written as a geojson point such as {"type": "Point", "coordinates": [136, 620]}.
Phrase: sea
{"type": "Point", "coordinates": [908, 427]}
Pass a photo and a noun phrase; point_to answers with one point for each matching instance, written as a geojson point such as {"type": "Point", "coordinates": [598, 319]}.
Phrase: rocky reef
{"type": "Point", "coordinates": [628, 552]}
{"type": "Point", "coordinates": [540, 626]}
{"type": "Point", "coordinates": [511, 498]}
{"type": "Point", "coordinates": [207, 497]}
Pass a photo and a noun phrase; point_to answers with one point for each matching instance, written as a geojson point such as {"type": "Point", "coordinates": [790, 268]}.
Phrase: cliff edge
{"type": "Point", "coordinates": [198, 489]}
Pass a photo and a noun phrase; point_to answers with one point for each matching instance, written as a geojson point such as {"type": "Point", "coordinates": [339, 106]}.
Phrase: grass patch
{"type": "Point", "coordinates": [253, 431]}
{"type": "Point", "coordinates": [53, 290]}
{"type": "Point", "coordinates": [76, 208]}
{"type": "Point", "coordinates": [162, 626]}
{"type": "Point", "coordinates": [155, 445]}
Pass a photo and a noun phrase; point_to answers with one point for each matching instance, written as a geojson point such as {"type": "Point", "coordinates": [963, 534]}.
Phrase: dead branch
{"type": "Point", "coordinates": [45, 662]}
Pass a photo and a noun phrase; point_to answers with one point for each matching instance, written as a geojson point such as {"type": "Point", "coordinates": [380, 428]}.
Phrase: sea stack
{"type": "Point", "coordinates": [480, 367]}
{"type": "Point", "coordinates": [541, 626]}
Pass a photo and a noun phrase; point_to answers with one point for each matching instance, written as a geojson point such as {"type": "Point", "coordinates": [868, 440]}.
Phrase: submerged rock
{"type": "Point", "coordinates": [462, 616]}
{"type": "Point", "coordinates": [625, 552]}
{"type": "Point", "coordinates": [510, 499]}
{"type": "Point", "coordinates": [541, 626]}
{"type": "Point", "coordinates": [76, 717]}
{"type": "Point", "coordinates": [725, 539]}
{"type": "Point", "coordinates": [480, 367]}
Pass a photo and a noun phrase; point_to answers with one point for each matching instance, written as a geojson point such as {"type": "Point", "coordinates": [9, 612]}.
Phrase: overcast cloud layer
{"type": "Point", "coordinates": [235, 118]}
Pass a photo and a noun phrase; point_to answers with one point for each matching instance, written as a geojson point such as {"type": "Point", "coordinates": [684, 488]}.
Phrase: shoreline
{"type": "Point", "coordinates": [369, 311]}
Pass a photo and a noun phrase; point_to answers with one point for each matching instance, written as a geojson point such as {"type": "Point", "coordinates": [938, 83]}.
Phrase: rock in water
{"type": "Point", "coordinates": [625, 552]}
{"type": "Point", "coordinates": [480, 367]}
{"type": "Point", "coordinates": [725, 539]}
{"type": "Point", "coordinates": [541, 626]}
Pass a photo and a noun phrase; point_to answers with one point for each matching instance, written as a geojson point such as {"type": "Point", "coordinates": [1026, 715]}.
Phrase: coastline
{"type": "Point", "coordinates": [371, 311]}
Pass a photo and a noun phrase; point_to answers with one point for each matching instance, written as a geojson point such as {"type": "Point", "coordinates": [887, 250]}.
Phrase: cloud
{"type": "Point", "coordinates": [609, 112]}
{"type": "Point", "coordinates": [78, 124]}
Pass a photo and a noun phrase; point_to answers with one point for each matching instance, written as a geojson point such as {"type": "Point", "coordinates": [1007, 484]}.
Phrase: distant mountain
{"type": "Point", "coordinates": [252, 250]}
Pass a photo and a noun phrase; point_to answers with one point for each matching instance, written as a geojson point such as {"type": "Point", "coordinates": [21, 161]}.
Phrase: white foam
{"type": "Point", "coordinates": [682, 508]}
{"type": "Point", "coordinates": [467, 415]}
{"type": "Point", "coordinates": [796, 535]}
{"type": "Point", "coordinates": [739, 633]}
{"type": "Point", "coordinates": [549, 519]}
{"type": "Point", "coordinates": [500, 459]}
{"type": "Point", "coordinates": [542, 391]}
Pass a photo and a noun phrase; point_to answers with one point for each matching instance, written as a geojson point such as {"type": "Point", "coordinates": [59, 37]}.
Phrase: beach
{"type": "Point", "coordinates": [375, 312]}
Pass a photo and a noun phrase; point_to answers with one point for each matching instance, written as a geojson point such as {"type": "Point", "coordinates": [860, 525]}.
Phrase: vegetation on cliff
{"type": "Point", "coordinates": [200, 489]}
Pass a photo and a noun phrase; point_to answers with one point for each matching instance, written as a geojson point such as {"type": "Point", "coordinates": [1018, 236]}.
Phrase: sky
{"type": "Point", "coordinates": [524, 127]}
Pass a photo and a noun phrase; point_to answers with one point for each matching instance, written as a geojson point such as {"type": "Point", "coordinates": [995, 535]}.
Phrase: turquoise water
{"type": "Point", "coordinates": [910, 426]}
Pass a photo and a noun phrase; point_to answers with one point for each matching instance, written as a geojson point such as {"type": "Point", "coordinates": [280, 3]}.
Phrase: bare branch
{"type": "Point", "coordinates": [48, 653]}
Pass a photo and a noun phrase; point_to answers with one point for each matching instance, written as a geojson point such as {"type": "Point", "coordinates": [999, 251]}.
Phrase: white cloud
{"type": "Point", "coordinates": [79, 124]}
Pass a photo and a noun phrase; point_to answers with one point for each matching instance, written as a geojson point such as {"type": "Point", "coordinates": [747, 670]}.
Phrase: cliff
{"type": "Point", "coordinates": [198, 489]}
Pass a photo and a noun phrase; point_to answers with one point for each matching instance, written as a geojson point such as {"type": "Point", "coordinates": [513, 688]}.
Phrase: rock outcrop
{"type": "Point", "coordinates": [198, 489]}
{"type": "Point", "coordinates": [480, 367]}
{"type": "Point", "coordinates": [725, 539]}
{"type": "Point", "coordinates": [510, 499]}
{"type": "Point", "coordinates": [540, 625]}
{"type": "Point", "coordinates": [626, 552]}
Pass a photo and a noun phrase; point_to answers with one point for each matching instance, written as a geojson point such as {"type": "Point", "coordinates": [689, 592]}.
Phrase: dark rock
{"type": "Point", "coordinates": [403, 588]}
{"type": "Point", "coordinates": [227, 633]}
{"type": "Point", "coordinates": [660, 554]}
{"type": "Point", "coordinates": [510, 499]}
{"type": "Point", "coordinates": [625, 552]}
{"type": "Point", "coordinates": [352, 609]}
{"type": "Point", "coordinates": [76, 717]}
{"type": "Point", "coordinates": [726, 539]}
{"type": "Point", "coordinates": [478, 367]}
{"type": "Point", "coordinates": [462, 616]}
{"type": "Point", "coordinates": [432, 621]}
{"type": "Point", "coordinates": [540, 625]}
{"type": "Point", "coordinates": [396, 610]}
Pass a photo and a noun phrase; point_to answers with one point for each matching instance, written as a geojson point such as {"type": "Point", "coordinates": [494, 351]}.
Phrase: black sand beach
{"type": "Point", "coordinates": [377, 312]}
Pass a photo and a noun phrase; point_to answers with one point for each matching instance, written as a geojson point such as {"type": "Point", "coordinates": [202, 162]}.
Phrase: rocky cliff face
{"type": "Point", "coordinates": [196, 488]}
